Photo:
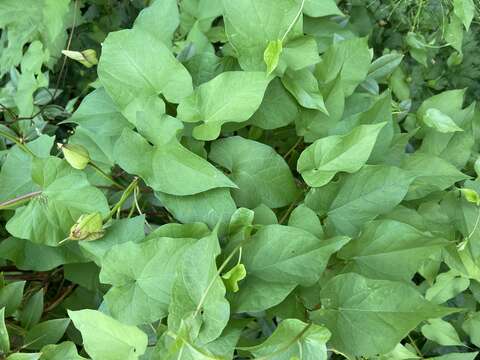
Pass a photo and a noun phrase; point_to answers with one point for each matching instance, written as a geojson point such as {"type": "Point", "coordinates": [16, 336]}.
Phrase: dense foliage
{"type": "Point", "coordinates": [239, 179]}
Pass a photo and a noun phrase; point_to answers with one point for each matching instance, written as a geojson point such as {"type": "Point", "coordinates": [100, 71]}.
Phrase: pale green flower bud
{"type": "Point", "coordinates": [76, 155]}
{"type": "Point", "coordinates": [88, 227]}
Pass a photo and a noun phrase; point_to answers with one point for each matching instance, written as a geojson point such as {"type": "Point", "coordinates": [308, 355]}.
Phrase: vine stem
{"type": "Point", "coordinates": [219, 271]}
{"type": "Point", "coordinates": [106, 176]}
{"type": "Point", "coordinates": [19, 200]}
{"type": "Point", "coordinates": [295, 19]}
{"type": "Point", "coordinates": [414, 345]}
{"type": "Point", "coordinates": [126, 194]}
{"type": "Point", "coordinates": [17, 142]}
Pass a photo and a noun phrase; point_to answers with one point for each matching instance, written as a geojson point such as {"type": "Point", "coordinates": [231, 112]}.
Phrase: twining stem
{"type": "Point", "coordinates": [219, 271]}
{"type": "Point", "coordinates": [19, 200]}
{"type": "Point", "coordinates": [294, 20]}
{"type": "Point", "coordinates": [17, 141]}
{"type": "Point", "coordinates": [287, 154]}
{"type": "Point", "coordinates": [126, 194]}
{"type": "Point", "coordinates": [106, 176]}
{"type": "Point", "coordinates": [414, 345]}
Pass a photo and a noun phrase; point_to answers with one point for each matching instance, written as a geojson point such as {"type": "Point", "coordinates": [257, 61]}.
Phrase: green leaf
{"type": "Point", "coordinates": [303, 217]}
{"type": "Point", "coordinates": [431, 174]}
{"type": "Point", "coordinates": [278, 108]}
{"type": "Point", "coordinates": [193, 174]}
{"type": "Point", "coordinates": [119, 232]}
{"type": "Point", "coordinates": [32, 310]}
{"type": "Point", "coordinates": [98, 114]}
{"type": "Point", "coordinates": [447, 286]}
{"type": "Point", "coordinates": [277, 259]}
{"type": "Point", "coordinates": [209, 104]}
{"type": "Point", "coordinates": [372, 191]}
{"type": "Point", "coordinates": [457, 356]}
{"type": "Point", "coordinates": [24, 356]}
{"type": "Point", "coordinates": [4, 338]}
{"type": "Point", "coordinates": [136, 67]}
{"type": "Point", "coordinates": [44, 333]}
{"type": "Point", "coordinates": [160, 19]}
{"type": "Point", "coordinates": [141, 286]}
{"type": "Point", "coordinates": [472, 327]}
{"type": "Point", "coordinates": [198, 292]}
{"type": "Point", "coordinates": [353, 307]}
{"type": "Point", "coordinates": [16, 173]}
{"type": "Point", "coordinates": [303, 85]}
{"type": "Point", "coordinates": [105, 338]}
{"type": "Point", "coordinates": [294, 339]}
{"type": "Point", "coordinates": [390, 250]}
{"type": "Point", "coordinates": [319, 162]}
{"type": "Point", "coordinates": [465, 10]}
{"type": "Point", "coordinates": [442, 332]}
{"type": "Point", "coordinates": [349, 60]}
{"type": "Point", "coordinates": [271, 55]}
{"type": "Point", "coordinates": [63, 351]}
{"type": "Point", "coordinates": [262, 176]}
{"type": "Point", "coordinates": [454, 33]}
{"type": "Point", "coordinates": [66, 195]}
{"type": "Point", "coordinates": [434, 118]}
{"type": "Point", "coordinates": [11, 296]}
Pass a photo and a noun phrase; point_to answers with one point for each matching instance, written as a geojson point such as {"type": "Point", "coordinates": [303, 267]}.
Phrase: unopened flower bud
{"type": "Point", "coordinates": [88, 227]}
{"type": "Point", "coordinates": [76, 155]}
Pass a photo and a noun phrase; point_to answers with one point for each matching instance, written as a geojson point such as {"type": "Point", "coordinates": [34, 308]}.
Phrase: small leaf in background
{"type": "Point", "coordinates": [46, 332]}
{"type": "Point", "coordinates": [11, 296]}
{"type": "Point", "coordinates": [271, 56]}
{"type": "Point", "coordinates": [436, 119]}
{"type": "Point", "coordinates": [465, 10]}
{"type": "Point", "coordinates": [442, 332]}
{"type": "Point", "coordinates": [105, 338]}
{"type": "Point", "coordinates": [472, 327]}
{"type": "Point", "coordinates": [32, 310]}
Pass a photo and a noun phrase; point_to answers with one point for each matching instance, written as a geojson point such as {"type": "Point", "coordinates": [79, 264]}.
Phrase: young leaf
{"type": "Point", "coordinates": [271, 55]}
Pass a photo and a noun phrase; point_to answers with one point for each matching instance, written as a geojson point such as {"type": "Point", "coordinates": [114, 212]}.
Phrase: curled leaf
{"type": "Point", "coordinates": [87, 58]}
{"type": "Point", "coordinates": [233, 276]}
